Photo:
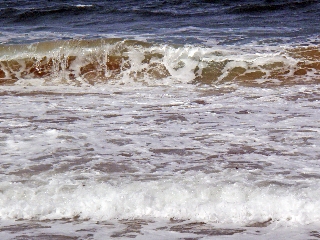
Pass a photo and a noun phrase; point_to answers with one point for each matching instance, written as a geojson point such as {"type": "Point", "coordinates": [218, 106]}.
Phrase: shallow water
{"type": "Point", "coordinates": [222, 156]}
{"type": "Point", "coordinates": [159, 120]}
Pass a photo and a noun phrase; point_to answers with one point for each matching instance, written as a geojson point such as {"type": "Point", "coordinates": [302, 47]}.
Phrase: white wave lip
{"type": "Point", "coordinates": [196, 197]}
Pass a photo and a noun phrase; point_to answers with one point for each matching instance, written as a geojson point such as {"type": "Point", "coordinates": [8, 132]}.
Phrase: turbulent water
{"type": "Point", "coordinates": [114, 61]}
{"type": "Point", "coordinates": [159, 119]}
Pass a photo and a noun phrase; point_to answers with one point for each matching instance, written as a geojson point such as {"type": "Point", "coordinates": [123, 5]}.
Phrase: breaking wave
{"type": "Point", "coordinates": [118, 61]}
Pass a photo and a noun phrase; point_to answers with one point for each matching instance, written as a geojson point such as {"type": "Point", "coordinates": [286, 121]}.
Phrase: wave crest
{"type": "Point", "coordinates": [106, 61]}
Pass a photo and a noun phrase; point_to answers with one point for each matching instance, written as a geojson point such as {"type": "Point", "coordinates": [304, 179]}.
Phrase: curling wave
{"type": "Point", "coordinates": [117, 61]}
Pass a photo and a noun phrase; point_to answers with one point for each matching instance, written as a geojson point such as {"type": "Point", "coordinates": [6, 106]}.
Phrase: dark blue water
{"type": "Point", "coordinates": [191, 22]}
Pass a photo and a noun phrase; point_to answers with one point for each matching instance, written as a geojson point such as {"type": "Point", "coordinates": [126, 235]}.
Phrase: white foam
{"type": "Point", "coordinates": [194, 196]}
{"type": "Point", "coordinates": [105, 154]}
{"type": "Point", "coordinates": [84, 5]}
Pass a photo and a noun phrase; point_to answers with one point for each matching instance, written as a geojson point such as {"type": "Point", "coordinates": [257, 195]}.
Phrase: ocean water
{"type": "Point", "coordinates": [160, 119]}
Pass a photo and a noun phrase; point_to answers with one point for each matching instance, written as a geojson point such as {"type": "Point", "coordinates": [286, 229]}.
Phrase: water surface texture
{"type": "Point", "coordinates": [159, 119]}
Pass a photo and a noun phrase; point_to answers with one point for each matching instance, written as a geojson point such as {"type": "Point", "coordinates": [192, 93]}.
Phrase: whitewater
{"type": "Point", "coordinates": [159, 120]}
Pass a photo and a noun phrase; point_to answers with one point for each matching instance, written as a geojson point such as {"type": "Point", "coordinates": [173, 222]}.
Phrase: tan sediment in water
{"type": "Point", "coordinates": [91, 62]}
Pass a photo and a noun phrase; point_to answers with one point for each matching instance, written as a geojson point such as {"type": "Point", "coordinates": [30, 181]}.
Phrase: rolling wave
{"type": "Point", "coordinates": [112, 61]}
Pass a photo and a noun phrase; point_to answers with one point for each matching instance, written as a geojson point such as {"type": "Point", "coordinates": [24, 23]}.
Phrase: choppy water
{"type": "Point", "coordinates": [159, 120]}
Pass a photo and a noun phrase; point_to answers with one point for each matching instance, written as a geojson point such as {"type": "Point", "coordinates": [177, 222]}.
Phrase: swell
{"type": "Point", "coordinates": [16, 15]}
{"type": "Point", "coordinates": [35, 10]}
{"type": "Point", "coordinates": [103, 10]}
{"type": "Point", "coordinates": [106, 61]}
{"type": "Point", "coordinates": [270, 6]}
{"type": "Point", "coordinates": [64, 10]}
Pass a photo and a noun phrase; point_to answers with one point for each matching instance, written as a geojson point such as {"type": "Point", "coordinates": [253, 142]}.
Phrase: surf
{"type": "Point", "coordinates": [120, 61]}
